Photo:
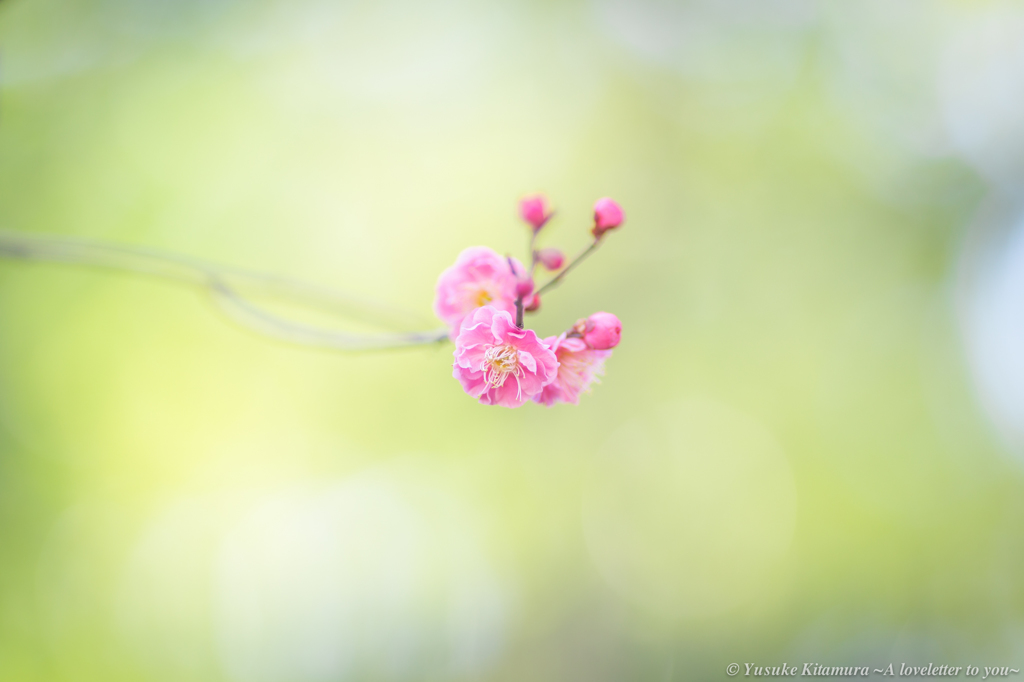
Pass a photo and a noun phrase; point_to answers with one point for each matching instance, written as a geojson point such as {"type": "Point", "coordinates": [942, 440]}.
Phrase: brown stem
{"type": "Point", "coordinates": [519, 299]}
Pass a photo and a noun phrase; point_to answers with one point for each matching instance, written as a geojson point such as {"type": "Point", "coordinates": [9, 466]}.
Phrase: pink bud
{"type": "Point", "coordinates": [607, 215]}
{"type": "Point", "coordinates": [552, 259]}
{"type": "Point", "coordinates": [524, 288]}
{"type": "Point", "coordinates": [532, 303]}
{"type": "Point", "coordinates": [602, 331]}
{"type": "Point", "coordinates": [534, 210]}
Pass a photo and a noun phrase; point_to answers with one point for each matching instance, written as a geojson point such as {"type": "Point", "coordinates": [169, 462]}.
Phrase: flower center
{"type": "Point", "coordinates": [483, 297]}
{"type": "Point", "coordinates": [499, 363]}
{"type": "Point", "coordinates": [476, 294]}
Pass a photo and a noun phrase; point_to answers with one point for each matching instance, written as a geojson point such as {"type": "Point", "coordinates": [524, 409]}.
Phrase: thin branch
{"type": "Point", "coordinates": [519, 298]}
{"type": "Point", "coordinates": [557, 279]}
{"type": "Point", "coordinates": [533, 251]}
{"type": "Point", "coordinates": [218, 281]}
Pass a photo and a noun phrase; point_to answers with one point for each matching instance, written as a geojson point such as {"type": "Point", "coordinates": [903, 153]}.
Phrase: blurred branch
{"type": "Point", "coordinates": [225, 285]}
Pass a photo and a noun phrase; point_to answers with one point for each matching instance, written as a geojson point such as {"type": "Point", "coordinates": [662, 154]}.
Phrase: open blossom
{"type": "Point", "coordinates": [479, 277]}
{"type": "Point", "coordinates": [498, 363]}
{"type": "Point", "coordinates": [578, 367]}
{"type": "Point", "coordinates": [482, 299]}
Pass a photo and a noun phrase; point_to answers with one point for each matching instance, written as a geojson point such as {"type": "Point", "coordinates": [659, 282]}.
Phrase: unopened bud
{"type": "Point", "coordinates": [531, 303]}
{"type": "Point", "coordinates": [602, 331]}
{"type": "Point", "coordinates": [534, 210]}
{"type": "Point", "coordinates": [524, 288]}
{"type": "Point", "coordinates": [607, 215]}
{"type": "Point", "coordinates": [552, 259]}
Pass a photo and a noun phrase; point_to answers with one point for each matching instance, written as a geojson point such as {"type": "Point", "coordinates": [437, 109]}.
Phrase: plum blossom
{"type": "Point", "coordinates": [607, 215]}
{"type": "Point", "coordinates": [524, 287]}
{"type": "Point", "coordinates": [483, 298]}
{"type": "Point", "coordinates": [551, 259]}
{"type": "Point", "coordinates": [600, 331]}
{"type": "Point", "coordinates": [479, 277]}
{"type": "Point", "coordinates": [578, 367]}
{"type": "Point", "coordinates": [499, 363]}
{"type": "Point", "coordinates": [534, 210]}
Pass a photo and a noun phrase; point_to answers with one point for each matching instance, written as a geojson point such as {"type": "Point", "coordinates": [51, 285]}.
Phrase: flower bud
{"type": "Point", "coordinates": [552, 259]}
{"type": "Point", "coordinates": [531, 303]}
{"type": "Point", "coordinates": [534, 210]}
{"type": "Point", "coordinates": [601, 331]}
{"type": "Point", "coordinates": [607, 215]}
{"type": "Point", "coordinates": [524, 288]}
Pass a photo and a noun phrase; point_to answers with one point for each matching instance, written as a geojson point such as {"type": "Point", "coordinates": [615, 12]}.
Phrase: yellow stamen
{"type": "Point", "coordinates": [500, 362]}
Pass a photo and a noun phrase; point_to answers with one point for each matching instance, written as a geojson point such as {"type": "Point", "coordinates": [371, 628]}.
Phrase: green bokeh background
{"type": "Point", "coordinates": [785, 460]}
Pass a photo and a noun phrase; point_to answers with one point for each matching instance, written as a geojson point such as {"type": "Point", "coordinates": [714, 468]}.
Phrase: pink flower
{"type": "Point", "coordinates": [552, 259]}
{"type": "Point", "coordinates": [531, 303]}
{"type": "Point", "coordinates": [578, 367]}
{"type": "Point", "coordinates": [600, 331]}
{"type": "Point", "coordinates": [534, 210]}
{"type": "Point", "coordinates": [607, 215]}
{"type": "Point", "coordinates": [498, 363]}
{"type": "Point", "coordinates": [479, 277]}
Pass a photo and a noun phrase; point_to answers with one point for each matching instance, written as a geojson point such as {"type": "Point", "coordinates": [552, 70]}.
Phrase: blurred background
{"type": "Point", "coordinates": [808, 447]}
